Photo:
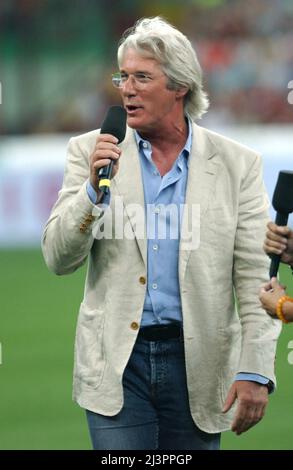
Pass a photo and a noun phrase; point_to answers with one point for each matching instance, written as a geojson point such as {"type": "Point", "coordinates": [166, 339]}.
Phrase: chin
{"type": "Point", "coordinates": [134, 123]}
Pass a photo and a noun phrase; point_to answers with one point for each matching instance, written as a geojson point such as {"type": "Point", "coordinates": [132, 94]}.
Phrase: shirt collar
{"type": "Point", "coordinates": [186, 149]}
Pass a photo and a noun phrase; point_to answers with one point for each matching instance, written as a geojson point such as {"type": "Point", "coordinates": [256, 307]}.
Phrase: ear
{"type": "Point", "coordinates": [181, 92]}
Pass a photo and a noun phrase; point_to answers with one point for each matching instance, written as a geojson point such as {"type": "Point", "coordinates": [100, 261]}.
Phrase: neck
{"type": "Point", "coordinates": [174, 133]}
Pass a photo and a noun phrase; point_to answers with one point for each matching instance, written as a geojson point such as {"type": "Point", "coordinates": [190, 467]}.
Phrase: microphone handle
{"type": "Point", "coordinates": [281, 219]}
{"type": "Point", "coordinates": [105, 174]}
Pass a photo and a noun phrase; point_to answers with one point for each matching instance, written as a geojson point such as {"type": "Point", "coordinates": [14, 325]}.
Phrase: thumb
{"type": "Point", "coordinates": [274, 282]}
{"type": "Point", "coordinates": [231, 397]}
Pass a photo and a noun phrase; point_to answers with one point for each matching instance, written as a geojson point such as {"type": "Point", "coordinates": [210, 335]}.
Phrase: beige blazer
{"type": "Point", "coordinates": [225, 182]}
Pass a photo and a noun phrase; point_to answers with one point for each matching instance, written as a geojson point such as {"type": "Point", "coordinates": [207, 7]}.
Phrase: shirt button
{"type": "Point", "coordinates": [142, 280]}
{"type": "Point", "coordinates": [155, 247]}
{"type": "Point", "coordinates": [145, 145]}
{"type": "Point", "coordinates": [157, 210]}
{"type": "Point", "coordinates": [154, 286]}
{"type": "Point", "coordinates": [134, 325]}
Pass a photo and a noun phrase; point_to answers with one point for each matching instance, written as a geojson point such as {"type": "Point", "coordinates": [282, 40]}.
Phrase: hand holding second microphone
{"type": "Point", "coordinates": [279, 241]}
{"type": "Point", "coordinates": [283, 205]}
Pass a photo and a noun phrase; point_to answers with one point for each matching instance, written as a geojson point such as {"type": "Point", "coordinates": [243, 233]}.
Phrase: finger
{"type": "Point", "coordinates": [275, 241]}
{"type": "Point", "coordinates": [267, 286]}
{"type": "Point", "coordinates": [107, 138]}
{"type": "Point", "coordinates": [231, 397]}
{"type": "Point", "coordinates": [263, 293]}
{"type": "Point", "coordinates": [278, 235]}
{"type": "Point", "coordinates": [276, 286]}
{"type": "Point", "coordinates": [272, 246]}
{"type": "Point", "coordinates": [275, 283]}
{"type": "Point", "coordinates": [244, 419]}
{"type": "Point", "coordinates": [105, 148]}
{"type": "Point", "coordinates": [247, 425]}
{"type": "Point", "coordinates": [104, 162]}
{"type": "Point", "coordinates": [283, 230]}
{"type": "Point", "coordinates": [106, 144]}
{"type": "Point", "coordinates": [278, 229]}
{"type": "Point", "coordinates": [254, 417]}
{"type": "Point", "coordinates": [104, 155]}
{"type": "Point", "coordinates": [101, 163]}
{"type": "Point", "coordinates": [239, 419]}
{"type": "Point", "coordinates": [260, 412]}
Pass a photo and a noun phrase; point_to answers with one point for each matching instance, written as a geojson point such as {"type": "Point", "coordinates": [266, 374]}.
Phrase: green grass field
{"type": "Point", "coordinates": [37, 327]}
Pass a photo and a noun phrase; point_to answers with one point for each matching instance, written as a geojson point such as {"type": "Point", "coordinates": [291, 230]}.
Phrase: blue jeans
{"type": "Point", "coordinates": [156, 413]}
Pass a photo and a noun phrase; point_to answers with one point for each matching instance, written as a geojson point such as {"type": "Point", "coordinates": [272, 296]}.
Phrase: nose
{"type": "Point", "coordinates": [128, 87]}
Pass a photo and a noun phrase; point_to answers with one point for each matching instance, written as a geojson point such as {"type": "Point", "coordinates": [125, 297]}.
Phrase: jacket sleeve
{"type": "Point", "coordinates": [67, 237]}
{"type": "Point", "coordinates": [251, 268]}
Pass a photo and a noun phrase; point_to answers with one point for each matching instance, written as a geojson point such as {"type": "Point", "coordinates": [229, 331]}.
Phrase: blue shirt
{"type": "Point", "coordinates": [164, 199]}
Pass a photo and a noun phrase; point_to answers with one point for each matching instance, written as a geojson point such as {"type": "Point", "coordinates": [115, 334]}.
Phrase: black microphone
{"type": "Point", "coordinates": [283, 205]}
{"type": "Point", "coordinates": [115, 124]}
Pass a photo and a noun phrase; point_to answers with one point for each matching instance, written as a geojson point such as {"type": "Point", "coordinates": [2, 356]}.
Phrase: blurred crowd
{"type": "Point", "coordinates": [246, 50]}
{"type": "Point", "coordinates": [57, 57]}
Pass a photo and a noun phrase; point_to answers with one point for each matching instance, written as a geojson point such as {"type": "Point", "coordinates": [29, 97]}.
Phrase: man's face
{"type": "Point", "coordinates": [148, 102]}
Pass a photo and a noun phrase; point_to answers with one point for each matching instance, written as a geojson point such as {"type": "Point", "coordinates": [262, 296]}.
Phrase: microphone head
{"type": "Point", "coordinates": [115, 122]}
{"type": "Point", "coordinates": [283, 194]}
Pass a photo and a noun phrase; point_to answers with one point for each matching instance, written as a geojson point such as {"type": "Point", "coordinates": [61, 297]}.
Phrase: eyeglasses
{"type": "Point", "coordinates": [140, 80]}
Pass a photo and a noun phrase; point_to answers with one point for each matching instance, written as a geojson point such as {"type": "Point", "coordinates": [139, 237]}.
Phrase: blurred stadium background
{"type": "Point", "coordinates": [55, 64]}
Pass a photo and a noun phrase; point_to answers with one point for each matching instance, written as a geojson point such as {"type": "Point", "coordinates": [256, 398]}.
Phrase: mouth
{"type": "Point", "coordinates": [131, 109]}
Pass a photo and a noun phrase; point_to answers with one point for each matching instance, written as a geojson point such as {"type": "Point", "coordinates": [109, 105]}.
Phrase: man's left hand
{"type": "Point", "coordinates": [252, 400]}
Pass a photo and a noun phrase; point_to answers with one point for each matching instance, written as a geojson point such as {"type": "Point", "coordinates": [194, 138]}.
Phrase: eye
{"type": "Point", "coordinates": [142, 77]}
{"type": "Point", "coordinates": [123, 77]}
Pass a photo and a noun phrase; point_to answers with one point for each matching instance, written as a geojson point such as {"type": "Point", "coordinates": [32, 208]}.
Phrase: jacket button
{"type": "Point", "coordinates": [82, 228]}
{"type": "Point", "coordinates": [89, 218]}
{"type": "Point", "coordinates": [142, 280]}
{"type": "Point", "coordinates": [134, 325]}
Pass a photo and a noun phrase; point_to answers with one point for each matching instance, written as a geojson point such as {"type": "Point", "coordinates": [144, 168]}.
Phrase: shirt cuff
{"type": "Point", "coordinates": [92, 194]}
{"type": "Point", "coordinates": [256, 378]}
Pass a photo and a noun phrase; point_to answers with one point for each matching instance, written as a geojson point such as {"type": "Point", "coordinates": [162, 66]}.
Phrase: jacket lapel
{"type": "Point", "coordinates": [129, 185]}
{"type": "Point", "coordinates": [201, 180]}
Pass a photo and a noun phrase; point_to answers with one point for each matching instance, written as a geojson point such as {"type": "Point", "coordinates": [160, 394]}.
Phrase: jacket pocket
{"type": "Point", "coordinates": [89, 352]}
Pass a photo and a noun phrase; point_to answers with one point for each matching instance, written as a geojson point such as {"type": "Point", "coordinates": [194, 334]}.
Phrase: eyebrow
{"type": "Point", "coordinates": [145, 72]}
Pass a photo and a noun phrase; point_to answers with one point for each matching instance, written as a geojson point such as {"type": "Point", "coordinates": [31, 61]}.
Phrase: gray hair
{"type": "Point", "coordinates": [163, 42]}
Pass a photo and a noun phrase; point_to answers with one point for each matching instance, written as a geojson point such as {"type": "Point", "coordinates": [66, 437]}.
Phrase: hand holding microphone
{"type": "Point", "coordinates": [104, 159]}
{"type": "Point", "coordinates": [283, 205]}
{"type": "Point", "coordinates": [279, 241]}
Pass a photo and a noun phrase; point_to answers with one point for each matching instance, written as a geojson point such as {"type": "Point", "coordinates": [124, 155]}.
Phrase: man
{"type": "Point", "coordinates": [279, 240]}
{"type": "Point", "coordinates": [161, 354]}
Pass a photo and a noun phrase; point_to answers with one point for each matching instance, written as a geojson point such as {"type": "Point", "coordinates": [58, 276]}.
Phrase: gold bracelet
{"type": "Point", "coordinates": [279, 310]}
